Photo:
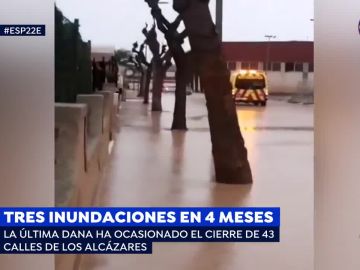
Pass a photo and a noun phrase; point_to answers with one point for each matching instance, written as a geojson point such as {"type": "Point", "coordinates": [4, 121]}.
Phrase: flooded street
{"type": "Point", "coordinates": [152, 166]}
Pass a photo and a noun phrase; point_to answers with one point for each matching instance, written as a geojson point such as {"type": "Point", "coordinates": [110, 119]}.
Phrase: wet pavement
{"type": "Point", "coordinates": [152, 166]}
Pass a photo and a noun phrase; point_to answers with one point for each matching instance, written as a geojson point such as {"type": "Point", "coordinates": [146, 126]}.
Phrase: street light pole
{"type": "Point", "coordinates": [269, 37]}
{"type": "Point", "coordinates": [219, 18]}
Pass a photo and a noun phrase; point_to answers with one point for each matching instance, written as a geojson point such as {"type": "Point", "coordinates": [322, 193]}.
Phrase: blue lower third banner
{"type": "Point", "coordinates": [22, 30]}
{"type": "Point", "coordinates": [129, 230]}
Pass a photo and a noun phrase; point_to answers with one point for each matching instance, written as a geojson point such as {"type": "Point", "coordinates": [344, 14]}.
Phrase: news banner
{"type": "Point", "coordinates": [129, 230]}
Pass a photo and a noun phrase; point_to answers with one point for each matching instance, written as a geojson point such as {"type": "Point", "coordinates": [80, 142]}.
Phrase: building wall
{"type": "Point", "coordinates": [283, 51]}
{"type": "Point", "coordinates": [287, 59]}
{"type": "Point", "coordinates": [282, 81]}
{"type": "Point", "coordinates": [288, 82]}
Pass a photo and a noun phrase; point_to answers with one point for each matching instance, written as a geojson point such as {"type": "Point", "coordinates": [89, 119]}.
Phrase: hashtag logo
{"type": "Point", "coordinates": [22, 30]}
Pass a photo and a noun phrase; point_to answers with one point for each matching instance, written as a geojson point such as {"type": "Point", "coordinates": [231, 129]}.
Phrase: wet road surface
{"type": "Point", "coordinates": [152, 166]}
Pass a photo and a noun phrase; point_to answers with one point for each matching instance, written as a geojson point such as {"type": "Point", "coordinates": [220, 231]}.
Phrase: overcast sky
{"type": "Point", "coordinates": [119, 22]}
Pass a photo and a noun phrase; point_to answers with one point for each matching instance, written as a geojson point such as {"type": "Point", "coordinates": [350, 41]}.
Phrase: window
{"type": "Point", "coordinates": [232, 65]}
{"type": "Point", "coordinates": [311, 67]}
{"type": "Point", "coordinates": [254, 65]}
{"type": "Point", "coordinates": [250, 83]}
{"type": "Point", "coordinates": [289, 67]}
{"type": "Point", "coordinates": [276, 66]}
{"type": "Point", "coordinates": [245, 65]}
{"type": "Point", "coordinates": [249, 65]}
{"type": "Point", "coordinates": [273, 66]}
{"type": "Point", "coordinates": [299, 67]}
{"type": "Point", "coordinates": [267, 66]}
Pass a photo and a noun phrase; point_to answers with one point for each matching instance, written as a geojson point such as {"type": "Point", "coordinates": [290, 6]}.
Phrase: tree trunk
{"type": "Point", "coordinates": [142, 84]}
{"type": "Point", "coordinates": [182, 79]}
{"type": "Point", "coordinates": [159, 75]}
{"type": "Point", "coordinates": [147, 85]}
{"type": "Point", "coordinates": [229, 152]}
{"type": "Point", "coordinates": [179, 120]}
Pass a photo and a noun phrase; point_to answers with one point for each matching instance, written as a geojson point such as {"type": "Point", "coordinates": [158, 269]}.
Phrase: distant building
{"type": "Point", "coordinates": [100, 52]}
{"type": "Point", "coordinates": [103, 59]}
{"type": "Point", "coordinates": [289, 61]}
{"type": "Point", "coordinates": [170, 80]}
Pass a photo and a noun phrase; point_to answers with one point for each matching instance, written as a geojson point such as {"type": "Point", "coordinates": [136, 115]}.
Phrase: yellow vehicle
{"type": "Point", "coordinates": [250, 86]}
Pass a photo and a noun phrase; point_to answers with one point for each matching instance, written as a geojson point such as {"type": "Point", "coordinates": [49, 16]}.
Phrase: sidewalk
{"type": "Point", "coordinates": [153, 166]}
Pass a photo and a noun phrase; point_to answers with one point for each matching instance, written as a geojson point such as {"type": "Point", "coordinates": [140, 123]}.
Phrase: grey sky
{"type": "Point", "coordinates": [119, 22]}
